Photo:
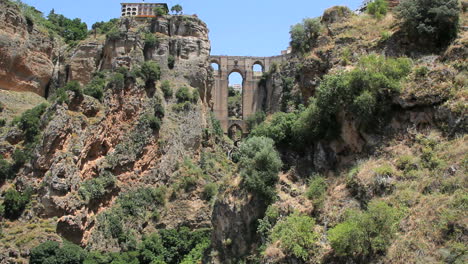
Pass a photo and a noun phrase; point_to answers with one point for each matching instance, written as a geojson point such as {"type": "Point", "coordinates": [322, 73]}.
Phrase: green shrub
{"type": "Point", "coordinates": [6, 170]}
{"type": "Point", "coordinates": [30, 122]}
{"type": "Point", "coordinates": [378, 8]}
{"type": "Point", "coordinates": [72, 30]}
{"type": "Point", "coordinates": [278, 128]}
{"type": "Point", "coordinates": [170, 62]}
{"type": "Point", "coordinates": [304, 35]}
{"type": "Point", "coordinates": [406, 163]}
{"type": "Point", "coordinates": [365, 234]}
{"type": "Point", "coordinates": [50, 252]}
{"type": "Point", "coordinates": [104, 27]}
{"type": "Point", "coordinates": [166, 88]}
{"type": "Point", "coordinates": [2, 122]}
{"type": "Point", "coordinates": [434, 21]}
{"type": "Point", "coordinates": [95, 88]}
{"type": "Point", "coordinates": [366, 92]}
{"type": "Point", "coordinates": [259, 166]}
{"type": "Point", "coordinates": [117, 81]}
{"type": "Point", "coordinates": [150, 71]}
{"type": "Point", "coordinates": [159, 110]}
{"type": "Point", "coordinates": [177, 9]}
{"type": "Point", "coordinates": [183, 95]}
{"type": "Point", "coordinates": [255, 119]}
{"type": "Point", "coordinates": [114, 34]}
{"type": "Point", "coordinates": [15, 202]}
{"type": "Point", "coordinates": [297, 235]}
{"type": "Point", "coordinates": [95, 189]}
{"type": "Point", "coordinates": [159, 11]}
{"type": "Point", "coordinates": [421, 72]}
{"type": "Point", "coordinates": [209, 191]}
{"type": "Point", "coordinates": [136, 202]}
{"type": "Point", "coordinates": [317, 190]}
{"type": "Point", "coordinates": [151, 40]}
{"type": "Point", "coordinates": [74, 86]}
{"type": "Point", "coordinates": [216, 125]}
{"type": "Point", "coordinates": [195, 96]}
{"type": "Point", "coordinates": [265, 225]}
{"type": "Point", "coordinates": [153, 122]}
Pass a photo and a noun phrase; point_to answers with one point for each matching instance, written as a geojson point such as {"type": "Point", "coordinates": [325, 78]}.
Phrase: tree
{"type": "Point", "coordinates": [432, 21]}
{"type": "Point", "coordinates": [365, 234]}
{"type": "Point", "coordinates": [50, 252]}
{"type": "Point", "coordinates": [15, 202]}
{"type": "Point", "coordinates": [304, 35]}
{"type": "Point", "coordinates": [160, 11]}
{"type": "Point", "coordinates": [150, 71]}
{"type": "Point", "coordinates": [296, 234]}
{"type": "Point", "coordinates": [378, 8]}
{"type": "Point", "coordinates": [259, 165]}
{"type": "Point", "coordinates": [177, 9]}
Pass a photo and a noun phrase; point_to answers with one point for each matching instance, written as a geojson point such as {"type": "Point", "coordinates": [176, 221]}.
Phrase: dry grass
{"type": "Point", "coordinates": [15, 103]}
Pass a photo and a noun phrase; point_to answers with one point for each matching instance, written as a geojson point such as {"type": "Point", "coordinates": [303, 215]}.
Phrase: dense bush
{"type": "Point", "coordinates": [304, 35]}
{"type": "Point", "coordinates": [151, 40]}
{"type": "Point", "coordinates": [316, 191]}
{"type": "Point", "coordinates": [15, 202]}
{"type": "Point", "coordinates": [184, 95]}
{"type": "Point", "coordinates": [278, 127]}
{"type": "Point", "coordinates": [166, 88]}
{"type": "Point", "coordinates": [297, 236]}
{"type": "Point", "coordinates": [259, 165]}
{"type": "Point", "coordinates": [366, 92]}
{"type": "Point", "coordinates": [29, 122]}
{"type": "Point", "coordinates": [117, 81]}
{"type": "Point", "coordinates": [177, 9]}
{"type": "Point", "coordinates": [433, 21]}
{"type": "Point", "coordinates": [378, 8]}
{"type": "Point", "coordinates": [135, 203]}
{"type": "Point", "coordinates": [150, 71]}
{"type": "Point", "coordinates": [6, 170]}
{"type": "Point", "coordinates": [105, 27]}
{"type": "Point", "coordinates": [96, 86]}
{"type": "Point", "coordinates": [62, 95]}
{"type": "Point", "coordinates": [50, 252]}
{"type": "Point", "coordinates": [95, 189]}
{"type": "Point", "coordinates": [255, 119]}
{"type": "Point", "coordinates": [159, 11]}
{"type": "Point", "coordinates": [210, 190]}
{"type": "Point", "coordinates": [365, 234]}
{"type": "Point", "coordinates": [71, 30]}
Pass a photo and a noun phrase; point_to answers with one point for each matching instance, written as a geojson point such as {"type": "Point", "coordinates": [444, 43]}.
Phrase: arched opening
{"type": "Point", "coordinates": [257, 69]}
{"type": "Point", "coordinates": [235, 132]}
{"type": "Point", "coordinates": [215, 67]}
{"type": "Point", "coordinates": [235, 89]}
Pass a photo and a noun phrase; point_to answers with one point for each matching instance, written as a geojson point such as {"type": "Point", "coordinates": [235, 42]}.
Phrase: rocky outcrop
{"type": "Point", "coordinates": [26, 53]}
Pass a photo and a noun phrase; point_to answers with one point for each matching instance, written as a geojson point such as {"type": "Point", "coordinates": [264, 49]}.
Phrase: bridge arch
{"type": "Point", "coordinates": [253, 97]}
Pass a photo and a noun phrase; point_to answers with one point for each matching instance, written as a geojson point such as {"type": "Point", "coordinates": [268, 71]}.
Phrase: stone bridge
{"type": "Point", "coordinates": [252, 93]}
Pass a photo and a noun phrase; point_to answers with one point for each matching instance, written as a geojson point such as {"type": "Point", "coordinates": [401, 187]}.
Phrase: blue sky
{"type": "Point", "coordinates": [239, 27]}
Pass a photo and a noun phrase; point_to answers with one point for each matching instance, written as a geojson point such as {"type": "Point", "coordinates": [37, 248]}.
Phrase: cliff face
{"type": "Point", "coordinates": [26, 54]}
{"type": "Point", "coordinates": [181, 38]}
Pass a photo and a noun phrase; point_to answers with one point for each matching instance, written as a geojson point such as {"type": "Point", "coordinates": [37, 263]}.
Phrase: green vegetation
{"type": "Point", "coordinates": [297, 236]}
{"type": "Point", "coordinates": [183, 95]}
{"type": "Point", "coordinates": [117, 81]}
{"type": "Point", "coordinates": [365, 234]}
{"type": "Point", "coordinates": [62, 95]}
{"type": "Point", "coordinates": [255, 119]}
{"type": "Point", "coordinates": [177, 9]}
{"type": "Point", "coordinates": [95, 189]}
{"type": "Point", "coordinates": [435, 21]}
{"type": "Point", "coordinates": [150, 72]}
{"type": "Point", "coordinates": [234, 103]}
{"type": "Point", "coordinates": [304, 35]}
{"type": "Point", "coordinates": [30, 122]}
{"type": "Point", "coordinates": [210, 190]}
{"type": "Point", "coordinates": [317, 190]}
{"type": "Point", "coordinates": [259, 165]}
{"type": "Point", "coordinates": [151, 41]}
{"type": "Point", "coordinates": [15, 202]}
{"type": "Point", "coordinates": [51, 252]}
{"type": "Point", "coordinates": [167, 90]}
{"type": "Point", "coordinates": [171, 62]}
{"type": "Point", "coordinates": [278, 127]}
{"type": "Point", "coordinates": [265, 225]}
{"type": "Point", "coordinates": [6, 171]}
{"type": "Point", "coordinates": [71, 30]}
{"type": "Point", "coordinates": [378, 8]}
{"type": "Point", "coordinates": [96, 86]}
{"type": "Point", "coordinates": [159, 11]}
{"type": "Point", "coordinates": [105, 27]}
{"type": "Point", "coordinates": [365, 91]}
